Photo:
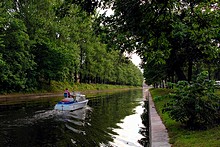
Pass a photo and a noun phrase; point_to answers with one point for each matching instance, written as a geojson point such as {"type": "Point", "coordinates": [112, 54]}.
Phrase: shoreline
{"type": "Point", "coordinates": [30, 96]}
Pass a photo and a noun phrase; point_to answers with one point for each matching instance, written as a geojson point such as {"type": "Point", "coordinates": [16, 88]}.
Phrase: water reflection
{"type": "Point", "coordinates": [110, 120]}
{"type": "Point", "coordinates": [127, 133]}
{"type": "Point", "coordinates": [145, 130]}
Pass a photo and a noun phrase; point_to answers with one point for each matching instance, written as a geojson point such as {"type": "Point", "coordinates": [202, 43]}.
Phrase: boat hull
{"type": "Point", "coordinates": [71, 106]}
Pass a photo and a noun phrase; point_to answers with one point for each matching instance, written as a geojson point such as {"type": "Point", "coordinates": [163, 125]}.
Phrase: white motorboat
{"type": "Point", "coordinates": [75, 102]}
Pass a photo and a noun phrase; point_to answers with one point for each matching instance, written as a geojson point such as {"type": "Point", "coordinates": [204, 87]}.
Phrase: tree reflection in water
{"type": "Point", "coordinates": [35, 123]}
{"type": "Point", "coordinates": [145, 130]}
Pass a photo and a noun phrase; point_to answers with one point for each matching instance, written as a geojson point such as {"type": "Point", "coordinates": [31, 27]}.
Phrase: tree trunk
{"type": "Point", "coordinates": [179, 73]}
{"type": "Point", "coordinates": [76, 76]}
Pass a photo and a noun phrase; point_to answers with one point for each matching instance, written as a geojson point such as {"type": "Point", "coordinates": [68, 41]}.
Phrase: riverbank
{"type": "Point", "coordinates": [158, 132]}
{"type": "Point", "coordinates": [180, 136]}
{"type": "Point", "coordinates": [17, 98]}
{"type": "Point", "coordinates": [88, 90]}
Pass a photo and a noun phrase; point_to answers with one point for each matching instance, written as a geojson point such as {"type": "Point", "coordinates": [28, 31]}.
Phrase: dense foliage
{"type": "Point", "coordinates": [51, 40]}
{"type": "Point", "coordinates": [178, 38]}
{"type": "Point", "coordinates": [194, 104]}
{"type": "Point", "coordinates": [179, 135]}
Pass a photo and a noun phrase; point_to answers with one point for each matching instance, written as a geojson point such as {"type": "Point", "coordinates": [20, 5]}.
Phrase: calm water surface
{"type": "Point", "coordinates": [109, 120]}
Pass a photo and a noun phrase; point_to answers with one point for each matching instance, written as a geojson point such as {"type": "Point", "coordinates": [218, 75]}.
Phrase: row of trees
{"type": "Point", "coordinates": [47, 40]}
{"type": "Point", "coordinates": [58, 40]}
{"type": "Point", "coordinates": [177, 39]}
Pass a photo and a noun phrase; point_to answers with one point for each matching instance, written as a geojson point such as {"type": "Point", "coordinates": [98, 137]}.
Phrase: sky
{"type": "Point", "coordinates": [135, 59]}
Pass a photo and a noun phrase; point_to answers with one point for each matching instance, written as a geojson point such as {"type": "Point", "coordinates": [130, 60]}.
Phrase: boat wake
{"type": "Point", "coordinates": [76, 117]}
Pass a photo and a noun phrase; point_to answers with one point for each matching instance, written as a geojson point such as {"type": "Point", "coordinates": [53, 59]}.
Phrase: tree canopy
{"type": "Point", "coordinates": [179, 38]}
{"type": "Point", "coordinates": [68, 40]}
{"type": "Point", "coordinates": [51, 40]}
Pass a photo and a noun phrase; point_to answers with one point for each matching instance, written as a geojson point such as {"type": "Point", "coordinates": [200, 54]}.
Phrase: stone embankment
{"type": "Point", "coordinates": [158, 132]}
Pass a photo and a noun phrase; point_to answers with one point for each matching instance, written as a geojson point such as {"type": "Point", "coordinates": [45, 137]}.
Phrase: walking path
{"type": "Point", "coordinates": [158, 132]}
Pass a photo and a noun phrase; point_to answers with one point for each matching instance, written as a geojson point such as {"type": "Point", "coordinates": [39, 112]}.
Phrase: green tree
{"type": "Point", "coordinates": [48, 40]}
{"type": "Point", "coordinates": [179, 34]}
{"type": "Point", "coordinates": [2, 23]}
{"type": "Point", "coordinates": [54, 41]}
{"type": "Point", "coordinates": [194, 105]}
{"type": "Point", "coordinates": [15, 51]}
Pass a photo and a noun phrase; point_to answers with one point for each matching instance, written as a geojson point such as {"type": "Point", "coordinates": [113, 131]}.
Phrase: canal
{"type": "Point", "coordinates": [116, 119]}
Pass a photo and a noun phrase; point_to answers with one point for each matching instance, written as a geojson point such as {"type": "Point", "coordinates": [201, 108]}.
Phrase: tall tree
{"type": "Point", "coordinates": [18, 61]}
{"type": "Point", "coordinates": [41, 42]}
{"type": "Point", "coordinates": [177, 33]}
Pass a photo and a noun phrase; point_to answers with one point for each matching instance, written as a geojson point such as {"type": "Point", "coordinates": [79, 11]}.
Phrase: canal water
{"type": "Point", "coordinates": [116, 120]}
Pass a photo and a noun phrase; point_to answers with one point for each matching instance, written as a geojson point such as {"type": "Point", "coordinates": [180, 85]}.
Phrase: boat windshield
{"type": "Point", "coordinates": [79, 96]}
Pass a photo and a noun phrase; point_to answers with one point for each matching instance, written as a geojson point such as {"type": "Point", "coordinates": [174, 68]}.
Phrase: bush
{"type": "Point", "coordinates": [195, 104]}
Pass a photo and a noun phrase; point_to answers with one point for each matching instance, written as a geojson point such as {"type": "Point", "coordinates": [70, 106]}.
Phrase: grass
{"type": "Point", "coordinates": [217, 91]}
{"type": "Point", "coordinates": [180, 136]}
{"type": "Point", "coordinates": [60, 86]}
{"type": "Point", "coordinates": [57, 87]}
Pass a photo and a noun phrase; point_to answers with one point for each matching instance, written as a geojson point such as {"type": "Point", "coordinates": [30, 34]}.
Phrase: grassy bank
{"type": "Point", "coordinates": [59, 87]}
{"type": "Point", "coordinates": [179, 136]}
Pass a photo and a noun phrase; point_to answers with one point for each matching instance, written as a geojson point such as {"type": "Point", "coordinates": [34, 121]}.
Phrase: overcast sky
{"type": "Point", "coordinates": [135, 59]}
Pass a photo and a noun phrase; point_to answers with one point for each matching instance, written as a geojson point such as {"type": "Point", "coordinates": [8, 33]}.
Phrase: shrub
{"type": "Point", "coordinates": [194, 104]}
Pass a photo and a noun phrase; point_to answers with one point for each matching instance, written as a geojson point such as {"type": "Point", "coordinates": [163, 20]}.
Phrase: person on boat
{"type": "Point", "coordinates": [67, 96]}
{"type": "Point", "coordinates": [67, 91]}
